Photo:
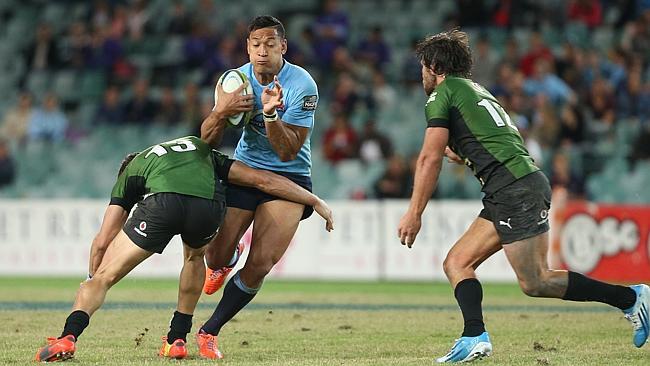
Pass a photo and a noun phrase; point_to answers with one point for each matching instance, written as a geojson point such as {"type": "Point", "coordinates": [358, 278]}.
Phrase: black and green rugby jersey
{"type": "Point", "coordinates": [186, 165]}
{"type": "Point", "coordinates": [480, 132]}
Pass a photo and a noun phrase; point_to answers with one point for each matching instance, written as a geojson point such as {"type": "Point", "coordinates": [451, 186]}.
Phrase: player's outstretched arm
{"type": "Point", "coordinates": [279, 186]}
{"type": "Point", "coordinates": [114, 219]}
{"type": "Point", "coordinates": [228, 104]}
{"type": "Point", "coordinates": [426, 178]}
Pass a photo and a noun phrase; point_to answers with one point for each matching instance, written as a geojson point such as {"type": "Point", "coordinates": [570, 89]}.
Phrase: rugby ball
{"type": "Point", "coordinates": [230, 81]}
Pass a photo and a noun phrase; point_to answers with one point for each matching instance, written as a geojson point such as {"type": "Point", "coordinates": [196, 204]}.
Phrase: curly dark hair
{"type": "Point", "coordinates": [126, 161]}
{"type": "Point", "coordinates": [446, 53]}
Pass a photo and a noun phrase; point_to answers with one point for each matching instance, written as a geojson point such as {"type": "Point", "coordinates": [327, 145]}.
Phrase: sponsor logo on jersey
{"type": "Point", "coordinates": [309, 103]}
{"type": "Point", "coordinates": [432, 97]}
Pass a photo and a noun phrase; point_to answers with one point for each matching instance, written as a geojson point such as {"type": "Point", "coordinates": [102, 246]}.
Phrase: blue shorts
{"type": "Point", "coordinates": [248, 198]}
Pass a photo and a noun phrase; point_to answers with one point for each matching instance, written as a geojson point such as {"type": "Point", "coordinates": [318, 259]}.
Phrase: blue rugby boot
{"type": "Point", "coordinates": [468, 349]}
{"type": "Point", "coordinates": [639, 314]}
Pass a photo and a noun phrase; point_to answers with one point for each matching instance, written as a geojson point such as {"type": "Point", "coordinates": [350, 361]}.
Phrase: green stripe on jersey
{"type": "Point", "coordinates": [480, 131]}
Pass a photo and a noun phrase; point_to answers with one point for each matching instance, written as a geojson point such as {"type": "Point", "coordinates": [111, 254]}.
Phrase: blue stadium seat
{"type": "Point", "coordinates": [55, 13]}
{"type": "Point", "coordinates": [605, 186]}
{"type": "Point", "coordinates": [603, 38]}
{"type": "Point", "coordinates": [172, 53]}
{"type": "Point", "coordinates": [324, 177]}
{"type": "Point", "coordinates": [38, 82]}
{"type": "Point", "coordinates": [92, 85]}
{"type": "Point", "coordinates": [578, 34]}
{"type": "Point", "coordinates": [65, 85]}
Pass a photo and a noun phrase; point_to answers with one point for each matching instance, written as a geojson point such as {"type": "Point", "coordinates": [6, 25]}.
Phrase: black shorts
{"type": "Point", "coordinates": [157, 218]}
{"type": "Point", "coordinates": [248, 198]}
{"type": "Point", "coordinates": [520, 209]}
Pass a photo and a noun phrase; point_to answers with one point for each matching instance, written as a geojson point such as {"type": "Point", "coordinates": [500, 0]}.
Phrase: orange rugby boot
{"type": "Point", "coordinates": [57, 349]}
{"type": "Point", "coordinates": [208, 347]}
{"type": "Point", "coordinates": [214, 279]}
{"type": "Point", "coordinates": [175, 350]}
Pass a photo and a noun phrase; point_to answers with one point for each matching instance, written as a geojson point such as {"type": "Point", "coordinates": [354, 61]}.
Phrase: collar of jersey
{"type": "Point", "coordinates": [257, 83]}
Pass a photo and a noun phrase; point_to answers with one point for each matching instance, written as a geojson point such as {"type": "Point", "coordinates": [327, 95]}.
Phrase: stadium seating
{"type": "Point", "coordinates": [81, 91]}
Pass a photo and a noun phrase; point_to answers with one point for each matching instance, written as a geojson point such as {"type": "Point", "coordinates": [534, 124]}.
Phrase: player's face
{"type": "Point", "coordinates": [428, 79]}
{"type": "Point", "coordinates": [265, 50]}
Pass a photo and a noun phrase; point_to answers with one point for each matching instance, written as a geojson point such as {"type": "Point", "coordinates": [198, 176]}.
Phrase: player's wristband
{"type": "Point", "coordinates": [270, 117]}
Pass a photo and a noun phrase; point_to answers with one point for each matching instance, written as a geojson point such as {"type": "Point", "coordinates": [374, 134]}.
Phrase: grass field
{"type": "Point", "coordinates": [317, 323]}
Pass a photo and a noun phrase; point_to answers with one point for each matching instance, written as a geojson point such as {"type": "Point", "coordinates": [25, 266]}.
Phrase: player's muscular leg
{"type": "Point", "coordinates": [476, 245]}
{"type": "Point", "coordinates": [121, 257]}
{"type": "Point", "coordinates": [528, 258]}
{"type": "Point", "coordinates": [191, 280]}
{"type": "Point", "coordinates": [275, 224]}
{"type": "Point", "coordinates": [220, 250]}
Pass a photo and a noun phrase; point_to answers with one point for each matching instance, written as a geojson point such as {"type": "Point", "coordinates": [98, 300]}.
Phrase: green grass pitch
{"type": "Point", "coordinates": [317, 323]}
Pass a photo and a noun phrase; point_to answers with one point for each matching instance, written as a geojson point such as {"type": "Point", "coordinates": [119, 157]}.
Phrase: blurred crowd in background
{"type": "Point", "coordinates": [573, 75]}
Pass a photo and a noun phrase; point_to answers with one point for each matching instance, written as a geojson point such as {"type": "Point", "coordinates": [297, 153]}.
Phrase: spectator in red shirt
{"type": "Point", "coordinates": [588, 12]}
{"type": "Point", "coordinates": [340, 140]}
{"type": "Point", "coordinates": [537, 50]}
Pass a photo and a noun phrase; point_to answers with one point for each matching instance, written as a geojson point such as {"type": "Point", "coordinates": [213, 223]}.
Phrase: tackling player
{"type": "Point", "coordinates": [465, 117]}
{"type": "Point", "coordinates": [178, 190]}
{"type": "Point", "coordinates": [276, 139]}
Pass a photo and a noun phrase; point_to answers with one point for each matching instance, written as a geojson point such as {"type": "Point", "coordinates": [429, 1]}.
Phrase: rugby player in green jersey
{"type": "Point", "coordinates": [467, 124]}
{"type": "Point", "coordinates": [179, 190]}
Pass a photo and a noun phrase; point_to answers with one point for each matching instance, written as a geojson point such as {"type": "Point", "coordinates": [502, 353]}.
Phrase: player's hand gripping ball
{"type": "Point", "coordinates": [230, 81]}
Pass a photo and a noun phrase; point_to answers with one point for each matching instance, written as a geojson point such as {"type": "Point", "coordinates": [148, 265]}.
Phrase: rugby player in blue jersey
{"type": "Point", "coordinates": [276, 139]}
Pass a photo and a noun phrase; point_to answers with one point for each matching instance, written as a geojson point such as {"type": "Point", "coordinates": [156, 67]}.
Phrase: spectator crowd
{"type": "Point", "coordinates": [565, 89]}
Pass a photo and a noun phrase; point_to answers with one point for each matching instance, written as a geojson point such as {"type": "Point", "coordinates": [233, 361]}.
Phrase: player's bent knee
{"type": "Point", "coordinates": [453, 263]}
{"type": "Point", "coordinates": [264, 270]}
{"type": "Point", "coordinates": [447, 266]}
{"type": "Point", "coordinates": [104, 279]}
{"type": "Point", "coordinates": [257, 271]}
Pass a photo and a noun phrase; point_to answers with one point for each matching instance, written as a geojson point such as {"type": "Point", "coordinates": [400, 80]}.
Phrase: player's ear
{"type": "Point", "coordinates": [284, 46]}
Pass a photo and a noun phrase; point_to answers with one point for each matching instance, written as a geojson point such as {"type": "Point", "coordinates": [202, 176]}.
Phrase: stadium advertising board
{"type": "Point", "coordinates": [53, 237]}
{"type": "Point", "coordinates": [607, 242]}
{"type": "Point", "coordinates": [364, 244]}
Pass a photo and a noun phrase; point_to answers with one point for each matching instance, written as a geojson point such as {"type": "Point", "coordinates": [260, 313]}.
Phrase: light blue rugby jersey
{"type": "Point", "coordinates": [300, 99]}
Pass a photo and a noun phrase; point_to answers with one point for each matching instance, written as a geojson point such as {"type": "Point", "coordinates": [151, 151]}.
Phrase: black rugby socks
{"type": "Point", "coordinates": [180, 325]}
{"type": "Point", "coordinates": [236, 295]}
{"type": "Point", "coordinates": [469, 295]}
{"type": "Point", "coordinates": [75, 324]}
{"type": "Point", "coordinates": [582, 288]}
